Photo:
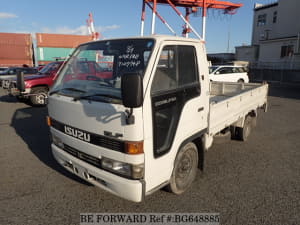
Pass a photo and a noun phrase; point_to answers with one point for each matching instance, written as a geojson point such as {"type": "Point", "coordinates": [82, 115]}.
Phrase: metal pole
{"type": "Point", "coordinates": [182, 17]}
{"type": "Point", "coordinates": [186, 28]}
{"type": "Point", "coordinates": [143, 18]}
{"type": "Point", "coordinates": [298, 43]}
{"type": "Point", "coordinates": [228, 41]}
{"type": "Point", "coordinates": [162, 19]}
{"type": "Point", "coordinates": [153, 17]}
{"type": "Point", "coordinates": [204, 11]}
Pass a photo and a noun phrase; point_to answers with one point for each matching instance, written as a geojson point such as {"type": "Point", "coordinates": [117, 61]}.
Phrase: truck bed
{"type": "Point", "coordinates": [230, 102]}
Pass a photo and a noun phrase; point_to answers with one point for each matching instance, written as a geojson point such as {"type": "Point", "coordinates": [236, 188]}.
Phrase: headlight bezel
{"type": "Point", "coordinates": [124, 169]}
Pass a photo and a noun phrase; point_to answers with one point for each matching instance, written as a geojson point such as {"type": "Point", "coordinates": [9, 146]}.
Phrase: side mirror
{"type": "Point", "coordinates": [132, 90]}
{"type": "Point", "coordinates": [217, 73]}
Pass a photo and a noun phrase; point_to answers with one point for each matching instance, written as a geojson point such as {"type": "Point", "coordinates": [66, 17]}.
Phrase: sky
{"type": "Point", "coordinates": [121, 18]}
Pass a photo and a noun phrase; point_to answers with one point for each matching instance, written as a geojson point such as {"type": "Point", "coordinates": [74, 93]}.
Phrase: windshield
{"type": "Point", "coordinates": [95, 69]}
{"type": "Point", "coordinates": [54, 66]}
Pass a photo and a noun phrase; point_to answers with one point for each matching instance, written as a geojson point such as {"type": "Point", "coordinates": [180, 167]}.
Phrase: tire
{"type": "Point", "coordinates": [22, 99]}
{"type": "Point", "coordinates": [241, 81]}
{"type": "Point", "coordinates": [39, 96]}
{"type": "Point", "coordinates": [185, 169]}
{"type": "Point", "coordinates": [233, 132]}
{"type": "Point", "coordinates": [244, 132]}
{"type": "Point", "coordinates": [254, 121]}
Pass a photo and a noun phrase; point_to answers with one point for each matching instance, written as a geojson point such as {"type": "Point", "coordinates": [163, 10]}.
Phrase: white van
{"type": "Point", "coordinates": [228, 74]}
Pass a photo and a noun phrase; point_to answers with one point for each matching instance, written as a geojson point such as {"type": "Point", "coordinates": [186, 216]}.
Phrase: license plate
{"type": "Point", "coordinates": [80, 171]}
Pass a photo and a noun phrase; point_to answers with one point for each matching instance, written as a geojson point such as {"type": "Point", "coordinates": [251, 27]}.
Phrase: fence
{"type": "Point", "coordinates": [275, 75]}
{"type": "Point", "coordinates": [288, 65]}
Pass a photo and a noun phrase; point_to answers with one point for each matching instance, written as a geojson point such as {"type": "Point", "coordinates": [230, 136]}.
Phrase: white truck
{"type": "Point", "coordinates": [147, 124]}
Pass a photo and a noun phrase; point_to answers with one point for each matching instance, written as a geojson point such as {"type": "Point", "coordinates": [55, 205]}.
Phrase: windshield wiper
{"type": "Point", "coordinates": [76, 98]}
{"type": "Point", "coordinates": [68, 89]}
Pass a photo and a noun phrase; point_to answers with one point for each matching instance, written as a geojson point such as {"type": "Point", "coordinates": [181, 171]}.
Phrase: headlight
{"type": "Point", "coordinates": [25, 84]}
{"type": "Point", "coordinates": [57, 141]}
{"type": "Point", "coordinates": [121, 168]}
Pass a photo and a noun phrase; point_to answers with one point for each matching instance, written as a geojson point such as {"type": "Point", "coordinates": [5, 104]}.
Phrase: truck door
{"type": "Point", "coordinates": [174, 97]}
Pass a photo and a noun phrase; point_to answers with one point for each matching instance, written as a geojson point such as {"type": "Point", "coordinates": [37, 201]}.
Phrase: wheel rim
{"type": "Point", "coordinates": [183, 170]}
{"type": "Point", "coordinates": [40, 98]}
{"type": "Point", "coordinates": [247, 128]}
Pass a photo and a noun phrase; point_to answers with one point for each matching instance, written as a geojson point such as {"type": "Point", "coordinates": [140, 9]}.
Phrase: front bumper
{"type": "Point", "coordinates": [16, 92]}
{"type": "Point", "coordinates": [132, 190]}
{"type": "Point", "coordinates": [5, 84]}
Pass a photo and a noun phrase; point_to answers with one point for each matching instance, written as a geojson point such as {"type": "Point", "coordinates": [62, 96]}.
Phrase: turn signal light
{"type": "Point", "coordinates": [49, 121]}
{"type": "Point", "coordinates": [134, 148]}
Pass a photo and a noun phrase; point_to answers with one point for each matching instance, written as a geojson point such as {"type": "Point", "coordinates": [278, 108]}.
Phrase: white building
{"type": "Point", "coordinates": [275, 36]}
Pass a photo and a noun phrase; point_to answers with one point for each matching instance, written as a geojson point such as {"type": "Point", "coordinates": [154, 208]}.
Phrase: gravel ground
{"type": "Point", "coordinates": [253, 182]}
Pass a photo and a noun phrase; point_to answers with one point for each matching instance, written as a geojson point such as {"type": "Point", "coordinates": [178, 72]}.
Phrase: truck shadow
{"type": "Point", "coordinates": [30, 124]}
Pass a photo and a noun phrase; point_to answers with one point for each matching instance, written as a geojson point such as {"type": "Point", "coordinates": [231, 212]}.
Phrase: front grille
{"type": "Point", "coordinates": [99, 140]}
{"type": "Point", "coordinates": [83, 156]}
{"type": "Point", "coordinates": [109, 143]}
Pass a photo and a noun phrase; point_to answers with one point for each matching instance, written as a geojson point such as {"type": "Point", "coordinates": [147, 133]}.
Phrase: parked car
{"type": "Point", "coordinates": [36, 87]}
{"type": "Point", "coordinates": [11, 72]}
{"type": "Point", "coordinates": [228, 74]}
{"type": "Point", "coordinates": [40, 67]}
{"type": "Point", "coordinates": [2, 69]}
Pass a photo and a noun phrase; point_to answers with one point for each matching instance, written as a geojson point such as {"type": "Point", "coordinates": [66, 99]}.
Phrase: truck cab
{"type": "Point", "coordinates": [144, 126]}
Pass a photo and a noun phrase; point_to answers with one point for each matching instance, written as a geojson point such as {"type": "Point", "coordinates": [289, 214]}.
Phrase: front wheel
{"type": "Point", "coordinates": [39, 95]}
{"type": "Point", "coordinates": [22, 99]}
{"type": "Point", "coordinates": [185, 169]}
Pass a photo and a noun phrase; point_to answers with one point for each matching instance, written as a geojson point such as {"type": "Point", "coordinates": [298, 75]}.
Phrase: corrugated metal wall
{"type": "Point", "coordinates": [61, 40]}
{"type": "Point", "coordinates": [15, 49]}
{"type": "Point", "coordinates": [52, 46]}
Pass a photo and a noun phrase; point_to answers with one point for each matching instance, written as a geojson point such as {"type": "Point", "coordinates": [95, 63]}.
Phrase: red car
{"type": "Point", "coordinates": [36, 87]}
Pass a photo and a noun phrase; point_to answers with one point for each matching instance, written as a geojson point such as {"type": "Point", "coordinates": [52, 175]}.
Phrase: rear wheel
{"type": "Point", "coordinates": [242, 133]}
{"type": "Point", "coordinates": [185, 169]}
{"type": "Point", "coordinates": [39, 96]}
{"type": "Point", "coordinates": [241, 81]}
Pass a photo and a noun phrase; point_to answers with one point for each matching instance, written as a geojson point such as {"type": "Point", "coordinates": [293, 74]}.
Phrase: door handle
{"type": "Point", "coordinates": [200, 109]}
